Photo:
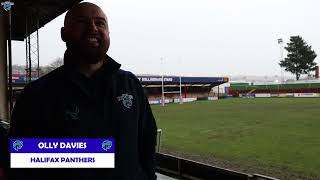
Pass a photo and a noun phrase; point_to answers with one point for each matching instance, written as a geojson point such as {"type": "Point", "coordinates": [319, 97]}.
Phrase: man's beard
{"type": "Point", "coordinates": [86, 55]}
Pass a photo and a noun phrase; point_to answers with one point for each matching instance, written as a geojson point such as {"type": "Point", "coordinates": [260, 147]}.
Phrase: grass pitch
{"type": "Point", "coordinates": [274, 136]}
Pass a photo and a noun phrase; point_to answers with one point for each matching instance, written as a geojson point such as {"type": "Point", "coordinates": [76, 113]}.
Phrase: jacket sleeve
{"type": "Point", "coordinates": [24, 116]}
{"type": "Point", "coordinates": [148, 142]}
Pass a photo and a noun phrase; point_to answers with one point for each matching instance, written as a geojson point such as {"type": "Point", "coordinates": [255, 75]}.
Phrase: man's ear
{"type": "Point", "coordinates": [63, 34]}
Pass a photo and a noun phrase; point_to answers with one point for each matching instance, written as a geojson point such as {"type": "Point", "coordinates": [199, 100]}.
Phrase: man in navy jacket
{"type": "Point", "coordinates": [88, 97]}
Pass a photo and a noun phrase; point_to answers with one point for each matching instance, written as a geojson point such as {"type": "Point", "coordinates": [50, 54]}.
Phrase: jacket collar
{"type": "Point", "coordinates": [109, 64]}
{"type": "Point", "coordinates": [70, 73]}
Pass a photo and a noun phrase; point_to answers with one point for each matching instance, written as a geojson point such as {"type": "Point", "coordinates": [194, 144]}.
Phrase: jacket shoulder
{"type": "Point", "coordinates": [45, 82]}
{"type": "Point", "coordinates": [127, 80]}
{"type": "Point", "coordinates": [127, 75]}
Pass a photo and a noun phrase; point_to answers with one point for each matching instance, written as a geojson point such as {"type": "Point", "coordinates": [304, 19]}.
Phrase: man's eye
{"type": "Point", "coordinates": [100, 24]}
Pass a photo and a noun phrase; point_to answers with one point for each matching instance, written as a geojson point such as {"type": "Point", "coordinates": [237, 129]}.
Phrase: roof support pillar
{"type": "Point", "coordinates": [4, 105]}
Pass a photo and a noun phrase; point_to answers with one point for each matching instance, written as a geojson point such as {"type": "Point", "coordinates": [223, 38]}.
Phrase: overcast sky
{"type": "Point", "coordinates": [195, 37]}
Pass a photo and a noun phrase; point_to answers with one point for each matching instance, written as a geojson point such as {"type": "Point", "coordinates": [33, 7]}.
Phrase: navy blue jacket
{"type": "Point", "coordinates": [65, 104]}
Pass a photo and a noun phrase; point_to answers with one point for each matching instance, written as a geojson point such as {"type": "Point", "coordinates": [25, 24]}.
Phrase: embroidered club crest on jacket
{"type": "Point", "coordinates": [126, 100]}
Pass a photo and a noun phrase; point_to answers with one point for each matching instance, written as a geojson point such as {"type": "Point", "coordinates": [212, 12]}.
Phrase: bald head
{"type": "Point", "coordinates": [86, 32]}
{"type": "Point", "coordinates": [77, 10]}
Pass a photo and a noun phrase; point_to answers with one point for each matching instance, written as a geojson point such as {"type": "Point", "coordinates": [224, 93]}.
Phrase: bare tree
{"type": "Point", "coordinates": [55, 64]}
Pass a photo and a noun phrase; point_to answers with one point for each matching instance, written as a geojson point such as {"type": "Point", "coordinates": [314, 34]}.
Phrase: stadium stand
{"type": "Point", "coordinates": [196, 88]}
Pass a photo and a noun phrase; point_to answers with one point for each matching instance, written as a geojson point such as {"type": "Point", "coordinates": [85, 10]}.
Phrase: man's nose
{"type": "Point", "coordinates": [92, 26]}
